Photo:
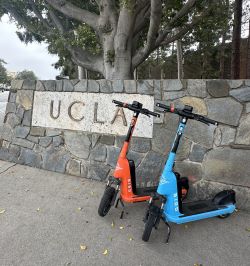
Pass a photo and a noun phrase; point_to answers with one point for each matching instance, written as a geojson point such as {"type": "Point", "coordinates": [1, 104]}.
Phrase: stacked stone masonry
{"type": "Point", "coordinates": [213, 157]}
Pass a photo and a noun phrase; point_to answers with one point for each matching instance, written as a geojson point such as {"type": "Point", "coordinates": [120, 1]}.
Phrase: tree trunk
{"type": "Point", "coordinates": [179, 59]}
{"type": "Point", "coordinates": [248, 54]}
{"type": "Point", "coordinates": [235, 60]}
{"type": "Point", "coordinates": [222, 57]}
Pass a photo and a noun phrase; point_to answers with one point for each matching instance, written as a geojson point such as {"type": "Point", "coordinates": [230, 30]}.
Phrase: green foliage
{"type": "Point", "coordinates": [26, 74]}
{"type": "Point", "coordinates": [4, 79]}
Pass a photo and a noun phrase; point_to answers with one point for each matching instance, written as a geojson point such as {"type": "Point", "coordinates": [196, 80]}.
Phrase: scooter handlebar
{"type": "Point", "coordinates": [136, 109]}
{"type": "Point", "coordinates": [189, 115]}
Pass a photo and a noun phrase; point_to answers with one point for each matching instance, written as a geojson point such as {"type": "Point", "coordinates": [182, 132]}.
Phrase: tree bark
{"type": "Point", "coordinates": [235, 60]}
{"type": "Point", "coordinates": [179, 59]}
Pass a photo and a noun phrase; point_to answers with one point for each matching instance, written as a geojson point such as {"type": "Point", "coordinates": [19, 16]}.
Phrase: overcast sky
{"type": "Point", "coordinates": [20, 56]}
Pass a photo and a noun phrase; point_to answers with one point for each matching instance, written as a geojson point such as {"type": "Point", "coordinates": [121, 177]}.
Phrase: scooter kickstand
{"type": "Point", "coordinates": [117, 202]}
{"type": "Point", "coordinates": [123, 209]}
{"type": "Point", "coordinates": [169, 230]}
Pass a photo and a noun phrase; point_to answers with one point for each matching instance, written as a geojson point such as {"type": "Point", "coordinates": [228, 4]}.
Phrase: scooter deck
{"type": "Point", "coordinates": [197, 207]}
{"type": "Point", "coordinates": [145, 191]}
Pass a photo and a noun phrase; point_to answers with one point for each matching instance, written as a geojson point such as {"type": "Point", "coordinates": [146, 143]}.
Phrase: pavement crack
{"type": "Point", "coordinates": [7, 168]}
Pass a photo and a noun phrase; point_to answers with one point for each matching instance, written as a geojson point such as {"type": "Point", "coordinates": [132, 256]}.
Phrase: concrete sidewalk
{"type": "Point", "coordinates": [49, 215]}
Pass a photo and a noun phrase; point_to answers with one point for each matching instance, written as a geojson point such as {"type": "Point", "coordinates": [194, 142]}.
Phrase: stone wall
{"type": "Point", "coordinates": [213, 158]}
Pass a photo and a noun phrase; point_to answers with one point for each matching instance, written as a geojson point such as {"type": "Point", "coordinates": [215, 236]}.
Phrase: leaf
{"type": "Point", "coordinates": [79, 208]}
{"type": "Point", "coordinates": [130, 239]}
{"type": "Point", "coordinates": [83, 247]}
{"type": "Point", "coordinates": [248, 229]}
{"type": "Point", "coordinates": [112, 224]}
{"type": "Point", "coordinates": [2, 211]}
{"type": "Point", "coordinates": [121, 227]}
{"type": "Point", "coordinates": [105, 252]}
{"type": "Point", "coordinates": [186, 226]}
{"type": "Point", "coordinates": [92, 193]}
{"type": "Point", "coordinates": [38, 209]}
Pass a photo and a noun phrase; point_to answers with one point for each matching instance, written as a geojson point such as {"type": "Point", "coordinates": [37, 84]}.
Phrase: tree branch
{"type": "Point", "coordinates": [184, 11]}
{"type": "Point", "coordinates": [87, 60]}
{"type": "Point", "coordinates": [56, 21]}
{"type": "Point", "coordinates": [75, 12]}
{"type": "Point", "coordinates": [38, 14]}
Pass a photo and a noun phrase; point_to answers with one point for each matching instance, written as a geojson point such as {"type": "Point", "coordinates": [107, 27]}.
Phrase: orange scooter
{"type": "Point", "coordinates": [124, 178]}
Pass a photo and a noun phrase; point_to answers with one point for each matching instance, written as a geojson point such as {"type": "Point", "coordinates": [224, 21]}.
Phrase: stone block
{"type": "Point", "coordinates": [197, 88]}
{"type": "Point", "coordinates": [49, 85]}
{"type": "Point", "coordinates": [140, 144]}
{"type": "Point", "coordinates": [172, 85]}
{"type": "Point", "coordinates": [20, 112]}
{"type": "Point", "coordinates": [12, 97]}
{"type": "Point", "coordinates": [145, 87]}
{"type": "Point", "coordinates": [105, 86]}
{"type": "Point", "coordinates": [162, 139]}
{"type": "Point", "coordinates": [235, 83]}
{"type": "Point", "coordinates": [243, 131]}
{"type": "Point", "coordinates": [119, 140]}
{"type": "Point", "coordinates": [158, 120]}
{"type": "Point", "coordinates": [230, 166]}
{"type": "Point", "coordinates": [37, 131]}
{"type": "Point", "coordinates": [117, 86]}
{"type": "Point", "coordinates": [21, 132]}
{"type": "Point", "coordinates": [12, 120]}
{"type": "Point", "coordinates": [197, 153]}
{"type": "Point", "coordinates": [25, 98]}
{"type": "Point", "coordinates": [200, 133]}
{"type": "Point", "coordinates": [112, 155]}
{"type": "Point", "coordinates": [78, 144]}
{"type": "Point", "coordinates": [53, 132]}
{"type": "Point", "coordinates": [82, 85]}
{"type": "Point", "coordinates": [39, 86]}
{"type": "Point", "coordinates": [225, 110]}
{"type": "Point", "coordinates": [33, 139]}
{"type": "Point", "coordinates": [38, 149]}
{"type": "Point", "coordinates": [99, 153]}
{"type": "Point", "coordinates": [67, 85]}
{"type": "Point", "coordinates": [98, 171]}
{"type": "Point", "coordinates": [14, 152]}
{"type": "Point", "coordinates": [23, 143]}
{"type": "Point", "coordinates": [27, 118]}
{"type": "Point", "coordinates": [6, 132]}
{"type": "Point", "coordinates": [93, 86]}
{"type": "Point", "coordinates": [173, 95]}
{"type": "Point", "coordinates": [150, 169]}
{"type": "Point", "coordinates": [199, 105]}
{"type": "Point", "coordinates": [248, 107]}
{"type": "Point", "coordinates": [55, 159]}
{"type": "Point", "coordinates": [135, 156]}
{"type": "Point", "coordinates": [45, 141]}
{"type": "Point", "coordinates": [94, 139]}
{"type": "Point", "coordinates": [218, 88]}
{"type": "Point", "coordinates": [58, 140]}
{"type": "Point", "coordinates": [30, 158]}
{"type": "Point", "coordinates": [107, 139]}
{"type": "Point", "coordinates": [130, 86]}
{"type": "Point", "coordinates": [16, 84]}
{"type": "Point", "coordinates": [157, 89]}
{"type": "Point", "coordinates": [183, 150]}
{"type": "Point", "coordinates": [29, 84]}
{"type": "Point", "coordinates": [84, 169]}
{"type": "Point", "coordinates": [10, 108]}
{"type": "Point", "coordinates": [59, 85]}
{"type": "Point", "coordinates": [189, 169]}
{"type": "Point", "coordinates": [74, 81]}
{"type": "Point", "coordinates": [242, 94]}
{"type": "Point", "coordinates": [224, 135]}
{"type": "Point", "coordinates": [73, 167]}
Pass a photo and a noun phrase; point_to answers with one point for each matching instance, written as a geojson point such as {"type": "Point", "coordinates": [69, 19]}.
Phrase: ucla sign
{"type": "Point", "coordinates": [90, 112]}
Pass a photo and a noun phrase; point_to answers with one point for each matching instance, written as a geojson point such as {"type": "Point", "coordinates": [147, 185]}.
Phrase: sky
{"type": "Point", "coordinates": [20, 56]}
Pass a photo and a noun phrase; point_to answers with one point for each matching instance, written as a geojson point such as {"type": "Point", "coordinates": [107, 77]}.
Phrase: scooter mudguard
{"type": "Point", "coordinates": [225, 197]}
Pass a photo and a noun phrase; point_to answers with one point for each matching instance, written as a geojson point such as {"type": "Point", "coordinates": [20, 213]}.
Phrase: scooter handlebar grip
{"type": "Point", "coordinates": [153, 114]}
{"type": "Point", "coordinates": [210, 121]}
{"type": "Point", "coordinates": [163, 106]}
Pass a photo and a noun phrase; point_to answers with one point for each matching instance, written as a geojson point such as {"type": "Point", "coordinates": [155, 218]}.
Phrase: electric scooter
{"type": "Point", "coordinates": [166, 203]}
{"type": "Point", "coordinates": [124, 176]}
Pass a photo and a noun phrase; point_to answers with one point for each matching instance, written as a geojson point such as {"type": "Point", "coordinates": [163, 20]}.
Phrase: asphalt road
{"type": "Point", "coordinates": [46, 217]}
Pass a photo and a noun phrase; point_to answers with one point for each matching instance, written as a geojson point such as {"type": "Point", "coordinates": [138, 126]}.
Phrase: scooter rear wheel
{"type": "Point", "coordinates": [106, 200]}
{"type": "Point", "coordinates": [148, 227]}
{"type": "Point", "coordinates": [224, 216]}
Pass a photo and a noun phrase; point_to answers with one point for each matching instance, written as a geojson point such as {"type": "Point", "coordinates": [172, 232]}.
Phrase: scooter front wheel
{"type": "Point", "coordinates": [224, 216]}
{"type": "Point", "coordinates": [150, 223]}
{"type": "Point", "coordinates": [106, 200]}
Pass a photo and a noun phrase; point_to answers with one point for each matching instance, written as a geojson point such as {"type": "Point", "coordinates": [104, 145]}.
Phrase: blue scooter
{"type": "Point", "coordinates": [166, 204]}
